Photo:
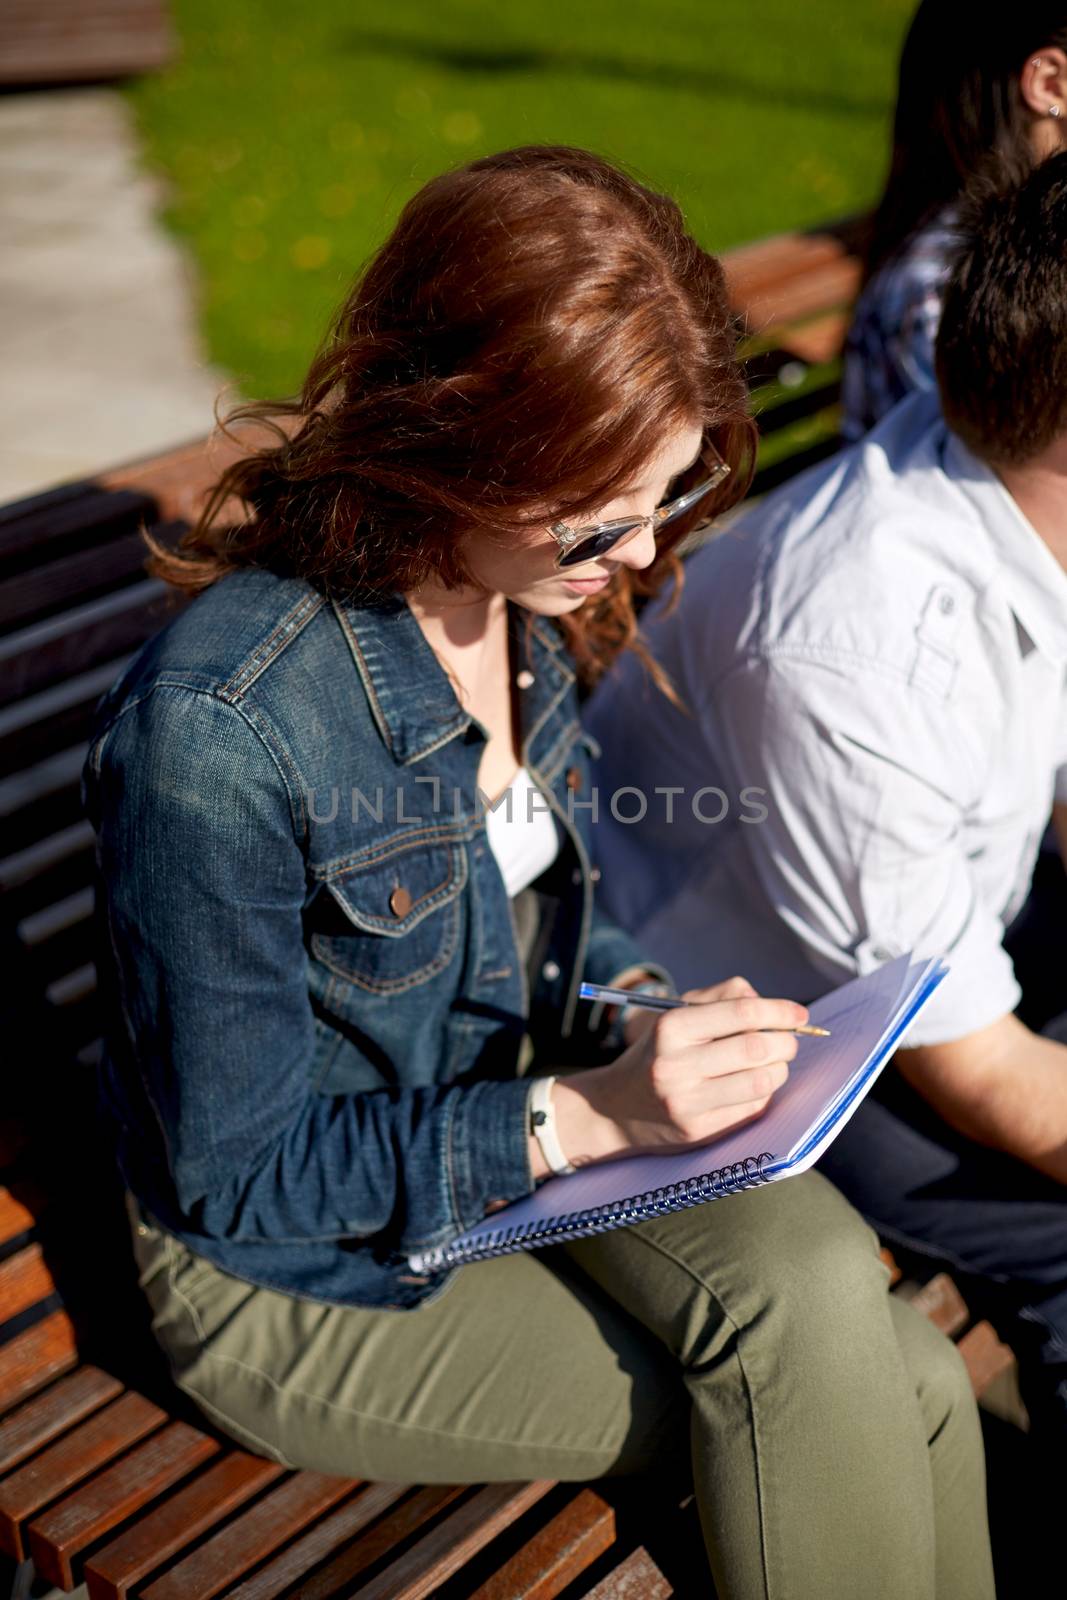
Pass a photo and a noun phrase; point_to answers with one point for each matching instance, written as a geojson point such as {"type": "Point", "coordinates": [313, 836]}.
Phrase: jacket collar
{"type": "Point", "coordinates": [413, 703]}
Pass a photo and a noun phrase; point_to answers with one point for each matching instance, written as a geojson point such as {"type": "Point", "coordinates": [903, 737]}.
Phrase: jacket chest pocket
{"type": "Point", "coordinates": [394, 923]}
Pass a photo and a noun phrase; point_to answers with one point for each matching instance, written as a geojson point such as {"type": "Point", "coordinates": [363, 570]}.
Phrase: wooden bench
{"type": "Point", "coordinates": [67, 41]}
{"type": "Point", "coordinates": [107, 1476]}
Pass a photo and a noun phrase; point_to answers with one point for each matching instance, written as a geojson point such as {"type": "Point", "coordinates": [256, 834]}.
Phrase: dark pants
{"type": "Point", "coordinates": [999, 1226]}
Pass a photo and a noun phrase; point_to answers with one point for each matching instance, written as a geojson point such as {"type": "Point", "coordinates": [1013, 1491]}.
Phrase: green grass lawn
{"type": "Point", "coordinates": [291, 135]}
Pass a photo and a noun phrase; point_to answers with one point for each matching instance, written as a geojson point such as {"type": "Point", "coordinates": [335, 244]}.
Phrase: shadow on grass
{"type": "Point", "coordinates": [495, 62]}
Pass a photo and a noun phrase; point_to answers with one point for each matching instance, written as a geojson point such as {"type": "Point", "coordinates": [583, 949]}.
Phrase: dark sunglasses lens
{"type": "Point", "coordinates": [598, 544]}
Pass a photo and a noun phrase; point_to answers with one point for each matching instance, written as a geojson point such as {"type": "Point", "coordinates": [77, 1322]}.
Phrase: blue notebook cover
{"type": "Point", "coordinates": [827, 1082]}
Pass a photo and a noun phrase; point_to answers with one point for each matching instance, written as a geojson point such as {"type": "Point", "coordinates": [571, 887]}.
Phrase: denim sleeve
{"type": "Point", "coordinates": [200, 851]}
{"type": "Point", "coordinates": [612, 952]}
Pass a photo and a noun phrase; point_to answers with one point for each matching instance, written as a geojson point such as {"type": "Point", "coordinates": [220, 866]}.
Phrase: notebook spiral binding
{"type": "Point", "coordinates": [739, 1175]}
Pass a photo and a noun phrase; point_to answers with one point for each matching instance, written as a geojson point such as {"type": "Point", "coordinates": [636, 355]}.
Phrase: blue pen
{"type": "Point", "coordinates": [662, 1002]}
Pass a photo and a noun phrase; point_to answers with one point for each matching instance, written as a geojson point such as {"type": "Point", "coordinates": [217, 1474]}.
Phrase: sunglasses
{"type": "Point", "coordinates": [577, 545]}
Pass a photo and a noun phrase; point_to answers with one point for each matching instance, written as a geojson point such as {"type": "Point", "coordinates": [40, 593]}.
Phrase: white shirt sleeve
{"type": "Point", "coordinates": [861, 853]}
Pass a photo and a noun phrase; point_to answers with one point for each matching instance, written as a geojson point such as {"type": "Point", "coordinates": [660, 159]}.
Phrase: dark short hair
{"type": "Point", "coordinates": [1002, 344]}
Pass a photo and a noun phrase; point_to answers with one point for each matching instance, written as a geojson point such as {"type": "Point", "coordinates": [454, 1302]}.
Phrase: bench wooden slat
{"type": "Point", "coordinates": [178, 481]}
{"type": "Point", "coordinates": [61, 1407]}
{"type": "Point", "coordinates": [227, 1556]}
{"type": "Point", "coordinates": [831, 287]}
{"type": "Point", "coordinates": [941, 1302]}
{"type": "Point", "coordinates": [39, 927]}
{"type": "Point", "coordinates": [69, 42]}
{"type": "Point", "coordinates": [41, 798]}
{"type": "Point", "coordinates": [333, 1533]}
{"type": "Point", "coordinates": [422, 1569]}
{"type": "Point", "coordinates": [35, 1357]}
{"type": "Point", "coordinates": [818, 341]}
{"type": "Point", "coordinates": [336, 1577]}
{"type": "Point", "coordinates": [58, 1468]}
{"type": "Point", "coordinates": [35, 657]}
{"type": "Point", "coordinates": [752, 269]}
{"type": "Point", "coordinates": [985, 1357]}
{"type": "Point", "coordinates": [40, 860]}
{"type": "Point", "coordinates": [73, 517]}
{"type": "Point", "coordinates": [24, 1281]}
{"type": "Point", "coordinates": [19, 1213]}
{"type": "Point", "coordinates": [214, 1494]}
{"type": "Point", "coordinates": [556, 1554]}
{"type": "Point", "coordinates": [636, 1578]}
{"type": "Point", "coordinates": [49, 723]}
{"type": "Point", "coordinates": [57, 1536]}
{"type": "Point", "coordinates": [73, 579]}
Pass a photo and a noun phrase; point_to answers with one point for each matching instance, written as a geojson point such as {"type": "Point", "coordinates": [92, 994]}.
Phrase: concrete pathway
{"type": "Point", "coordinates": [99, 357]}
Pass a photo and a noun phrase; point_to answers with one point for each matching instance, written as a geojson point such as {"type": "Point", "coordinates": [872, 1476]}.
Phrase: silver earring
{"type": "Point", "coordinates": [1054, 111]}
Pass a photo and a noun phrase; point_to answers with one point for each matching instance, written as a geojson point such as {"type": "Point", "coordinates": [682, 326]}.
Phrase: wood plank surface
{"type": "Point", "coordinates": [941, 1302]}
{"type": "Point", "coordinates": [57, 1536]}
{"type": "Point", "coordinates": [83, 636]}
{"type": "Point", "coordinates": [336, 1577]}
{"type": "Point", "coordinates": [228, 1555]}
{"type": "Point", "coordinates": [68, 1461]}
{"type": "Point", "coordinates": [165, 1530]}
{"type": "Point", "coordinates": [636, 1578]}
{"type": "Point", "coordinates": [19, 1213]}
{"type": "Point", "coordinates": [556, 1554]}
{"type": "Point", "coordinates": [35, 1357]}
{"type": "Point", "coordinates": [441, 1552]}
{"type": "Point", "coordinates": [63, 1406]}
{"type": "Point", "coordinates": [985, 1357]}
{"type": "Point", "coordinates": [25, 1281]}
{"type": "Point", "coordinates": [333, 1533]}
{"type": "Point", "coordinates": [57, 42]}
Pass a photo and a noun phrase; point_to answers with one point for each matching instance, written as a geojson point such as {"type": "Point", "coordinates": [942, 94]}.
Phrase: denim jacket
{"type": "Point", "coordinates": [315, 999]}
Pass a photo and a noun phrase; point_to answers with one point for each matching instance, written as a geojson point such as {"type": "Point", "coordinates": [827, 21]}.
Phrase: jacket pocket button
{"type": "Point", "coordinates": [574, 779]}
{"type": "Point", "coordinates": [550, 971]}
{"type": "Point", "coordinates": [400, 902]}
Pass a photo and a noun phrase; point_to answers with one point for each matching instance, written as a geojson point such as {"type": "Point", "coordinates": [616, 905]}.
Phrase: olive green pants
{"type": "Point", "coordinates": [830, 1431]}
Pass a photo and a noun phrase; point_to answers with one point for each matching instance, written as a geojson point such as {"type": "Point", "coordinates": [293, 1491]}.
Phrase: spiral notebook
{"type": "Point", "coordinates": [827, 1082]}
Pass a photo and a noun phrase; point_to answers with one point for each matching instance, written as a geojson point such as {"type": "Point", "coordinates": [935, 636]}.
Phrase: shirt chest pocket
{"type": "Point", "coordinates": [395, 922]}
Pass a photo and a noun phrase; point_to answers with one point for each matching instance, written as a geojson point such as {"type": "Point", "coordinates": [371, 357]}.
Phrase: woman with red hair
{"type": "Point", "coordinates": [344, 819]}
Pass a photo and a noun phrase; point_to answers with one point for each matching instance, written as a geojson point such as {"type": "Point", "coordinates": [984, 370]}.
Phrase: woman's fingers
{"type": "Point", "coordinates": [731, 989]}
{"type": "Point", "coordinates": [719, 1019]}
{"type": "Point", "coordinates": [698, 1108]}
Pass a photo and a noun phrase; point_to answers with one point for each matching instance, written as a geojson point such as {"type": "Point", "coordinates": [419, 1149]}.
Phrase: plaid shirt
{"type": "Point", "coordinates": [889, 352]}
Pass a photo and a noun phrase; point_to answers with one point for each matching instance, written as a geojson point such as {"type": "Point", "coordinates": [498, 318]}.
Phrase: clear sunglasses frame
{"type": "Point", "coordinates": [577, 545]}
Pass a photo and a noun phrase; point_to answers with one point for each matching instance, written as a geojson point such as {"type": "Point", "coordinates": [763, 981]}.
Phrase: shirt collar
{"type": "Point", "coordinates": [410, 695]}
{"type": "Point", "coordinates": [1035, 584]}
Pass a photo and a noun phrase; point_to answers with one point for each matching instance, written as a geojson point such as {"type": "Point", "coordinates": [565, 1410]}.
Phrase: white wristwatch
{"type": "Point", "coordinates": [543, 1126]}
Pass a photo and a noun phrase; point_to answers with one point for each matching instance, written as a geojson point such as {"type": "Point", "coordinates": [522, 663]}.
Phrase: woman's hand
{"type": "Point", "coordinates": [699, 1070]}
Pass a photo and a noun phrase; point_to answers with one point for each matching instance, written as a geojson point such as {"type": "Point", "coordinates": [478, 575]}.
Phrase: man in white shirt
{"type": "Point", "coordinates": [873, 666]}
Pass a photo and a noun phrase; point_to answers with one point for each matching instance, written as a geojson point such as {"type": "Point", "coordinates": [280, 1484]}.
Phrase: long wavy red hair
{"type": "Point", "coordinates": [534, 327]}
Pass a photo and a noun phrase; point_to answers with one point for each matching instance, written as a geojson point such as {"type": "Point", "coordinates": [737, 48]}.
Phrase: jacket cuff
{"type": "Point", "coordinates": [489, 1148]}
{"type": "Point", "coordinates": [595, 1021]}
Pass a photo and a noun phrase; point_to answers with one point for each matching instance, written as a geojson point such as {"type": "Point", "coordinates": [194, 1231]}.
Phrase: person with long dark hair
{"type": "Point", "coordinates": [981, 88]}
{"type": "Point", "coordinates": [332, 971]}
